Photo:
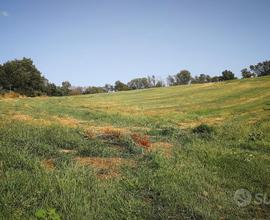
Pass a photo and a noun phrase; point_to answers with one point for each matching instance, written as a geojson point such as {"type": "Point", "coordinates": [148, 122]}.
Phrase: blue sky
{"type": "Point", "coordinates": [93, 42]}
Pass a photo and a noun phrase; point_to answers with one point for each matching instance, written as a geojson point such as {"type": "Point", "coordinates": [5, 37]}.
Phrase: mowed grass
{"type": "Point", "coordinates": [136, 154]}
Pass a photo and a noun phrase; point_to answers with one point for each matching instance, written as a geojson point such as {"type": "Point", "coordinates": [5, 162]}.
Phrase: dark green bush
{"type": "Point", "coordinates": [203, 130]}
{"type": "Point", "coordinates": [169, 131]}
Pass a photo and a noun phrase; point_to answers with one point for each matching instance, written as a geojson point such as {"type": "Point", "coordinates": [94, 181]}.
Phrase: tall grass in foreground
{"type": "Point", "coordinates": [197, 181]}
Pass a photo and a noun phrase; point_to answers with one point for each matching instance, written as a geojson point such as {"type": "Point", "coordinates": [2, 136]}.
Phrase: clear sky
{"type": "Point", "coordinates": [93, 42]}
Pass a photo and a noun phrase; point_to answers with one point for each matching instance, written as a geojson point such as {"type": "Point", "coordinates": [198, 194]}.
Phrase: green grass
{"type": "Point", "coordinates": [194, 178]}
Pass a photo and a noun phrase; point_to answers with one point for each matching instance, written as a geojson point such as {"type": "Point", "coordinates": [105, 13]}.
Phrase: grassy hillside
{"type": "Point", "coordinates": [137, 154]}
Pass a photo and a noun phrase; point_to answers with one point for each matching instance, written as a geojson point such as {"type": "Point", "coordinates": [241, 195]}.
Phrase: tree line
{"type": "Point", "coordinates": [22, 76]}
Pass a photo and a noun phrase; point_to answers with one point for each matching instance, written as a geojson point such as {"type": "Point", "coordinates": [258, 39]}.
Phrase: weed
{"type": "Point", "coordinates": [48, 214]}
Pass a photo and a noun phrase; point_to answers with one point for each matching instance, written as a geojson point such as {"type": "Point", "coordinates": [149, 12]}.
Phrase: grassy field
{"type": "Point", "coordinates": [138, 154]}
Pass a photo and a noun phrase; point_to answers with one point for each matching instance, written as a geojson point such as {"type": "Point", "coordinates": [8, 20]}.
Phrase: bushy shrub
{"type": "Point", "coordinates": [203, 130]}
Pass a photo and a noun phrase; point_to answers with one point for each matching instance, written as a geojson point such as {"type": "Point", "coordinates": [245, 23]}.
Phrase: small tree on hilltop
{"type": "Point", "coordinates": [160, 83]}
{"type": "Point", "coordinates": [119, 86]}
{"type": "Point", "coordinates": [108, 87]}
{"type": "Point", "coordinates": [261, 69]}
{"type": "Point", "coordinates": [66, 87]}
{"type": "Point", "coordinates": [171, 80]}
{"type": "Point", "coordinates": [152, 81]}
{"type": "Point", "coordinates": [246, 73]}
{"type": "Point", "coordinates": [23, 77]}
{"type": "Point", "coordinates": [183, 77]}
{"type": "Point", "coordinates": [228, 75]}
{"type": "Point", "coordinates": [139, 83]}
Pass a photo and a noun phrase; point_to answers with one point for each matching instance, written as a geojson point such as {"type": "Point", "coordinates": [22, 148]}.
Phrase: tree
{"type": "Point", "coordinates": [183, 77]}
{"type": "Point", "coordinates": [76, 91]}
{"type": "Point", "coordinates": [66, 87]}
{"type": "Point", "coordinates": [246, 73]}
{"type": "Point", "coordinates": [108, 88]}
{"type": "Point", "coordinates": [94, 89]}
{"type": "Point", "coordinates": [151, 81]}
{"type": "Point", "coordinates": [160, 83]}
{"type": "Point", "coordinates": [139, 83]}
{"type": "Point", "coordinates": [119, 86]}
{"type": "Point", "coordinates": [23, 77]}
{"type": "Point", "coordinates": [261, 69]}
{"type": "Point", "coordinates": [228, 75]}
{"type": "Point", "coordinates": [216, 79]}
{"type": "Point", "coordinates": [53, 90]}
{"type": "Point", "coordinates": [66, 84]}
{"type": "Point", "coordinates": [202, 78]}
{"type": "Point", "coordinates": [171, 80]}
{"type": "Point", "coordinates": [2, 79]}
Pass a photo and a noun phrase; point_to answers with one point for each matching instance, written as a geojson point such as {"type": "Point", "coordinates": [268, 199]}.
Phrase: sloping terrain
{"type": "Point", "coordinates": [167, 153]}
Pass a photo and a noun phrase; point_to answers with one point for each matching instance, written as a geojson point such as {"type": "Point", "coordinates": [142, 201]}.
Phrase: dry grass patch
{"type": "Point", "coordinates": [90, 133]}
{"type": "Point", "coordinates": [114, 131]}
{"type": "Point", "coordinates": [165, 147]}
{"type": "Point", "coordinates": [195, 123]}
{"type": "Point", "coordinates": [22, 117]}
{"type": "Point", "coordinates": [30, 119]}
{"type": "Point", "coordinates": [67, 121]}
{"type": "Point", "coordinates": [12, 95]}
{"type": "Point", "coordinates": [48, 164]}
{"type": "Point", "coordinates": [106, 167]}
{"type": "Point", "coordinates": [102, 162]}
{"type": "Point", "coordinates": [212, 121]}
{"type": "Point", "coordinates": [108, 131]}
